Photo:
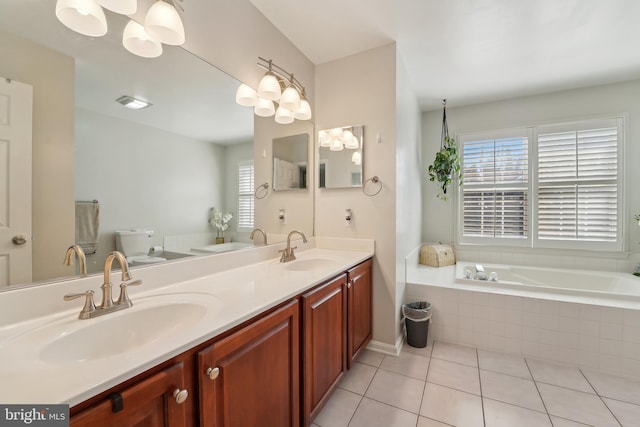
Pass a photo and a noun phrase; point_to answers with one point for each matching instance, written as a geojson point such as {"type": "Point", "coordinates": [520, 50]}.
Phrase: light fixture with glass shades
{"type": "Point", "coordinates": [162, 23]}
{"type": "Point", "coordinates": [279, 93]}
{"type": "Point", "coordinates": [337, 139]}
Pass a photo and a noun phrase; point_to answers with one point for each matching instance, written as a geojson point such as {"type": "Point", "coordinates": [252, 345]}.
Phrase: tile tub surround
{"type": "Point", "coordinates": [240, 292]}
{"type": "Point", "coordinates": [451, 385]}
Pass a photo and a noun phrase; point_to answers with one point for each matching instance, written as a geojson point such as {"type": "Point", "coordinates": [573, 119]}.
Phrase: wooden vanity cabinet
{"type": "Point", "coordinates": [360, 309]}
{"type": "Point", "coordinates": [251, 378]}
{"type": "Point", "coordinates": [150, 403]}
{"type": "Point", "coordinates": [324, 331]}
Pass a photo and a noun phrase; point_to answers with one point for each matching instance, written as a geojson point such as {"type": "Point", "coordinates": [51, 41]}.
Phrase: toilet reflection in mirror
{"type": "Point", "coordinates": [290, 162]}
{"type": "Point", "coordinates": [340, 157]}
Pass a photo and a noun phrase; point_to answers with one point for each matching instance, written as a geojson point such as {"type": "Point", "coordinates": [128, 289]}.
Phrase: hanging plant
{"type": "Point", "coordinates": [446, 166]}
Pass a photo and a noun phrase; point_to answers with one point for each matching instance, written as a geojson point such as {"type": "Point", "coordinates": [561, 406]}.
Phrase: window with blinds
{"type": "Point", "coordinates": [495, 191]}
{"type": "Point", "coordinates": [246, 201]}
{"type": "Point", "coordinates": [556, 186]}
{"type": "Point", "coordinates": [578, 185]}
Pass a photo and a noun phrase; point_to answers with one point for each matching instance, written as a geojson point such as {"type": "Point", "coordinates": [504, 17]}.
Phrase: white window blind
{"type": "Point", "coordinates": [495, 190]}
{"type": "Point", "coordinates": [246, 201]}
{"type": "Point", "coordinates": [578, 185]}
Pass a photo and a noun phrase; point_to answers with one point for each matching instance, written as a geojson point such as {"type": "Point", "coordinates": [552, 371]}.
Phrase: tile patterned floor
{"type": "Point", "coordinates": [450, 385]}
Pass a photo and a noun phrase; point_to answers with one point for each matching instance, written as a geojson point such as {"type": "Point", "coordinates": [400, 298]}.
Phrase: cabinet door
{"type": "Point", "coordinates": [360, 290]}
{"type": "Point", "coordinates": [149, 403]}
{"type": "Point", "coordinates": [324, 320]}
{"type": "Point", "coordinates": [251, 378]}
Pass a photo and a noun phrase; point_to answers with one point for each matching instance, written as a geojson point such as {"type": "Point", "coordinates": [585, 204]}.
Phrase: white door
{"type": "Point", "coordinates": [15, 182]}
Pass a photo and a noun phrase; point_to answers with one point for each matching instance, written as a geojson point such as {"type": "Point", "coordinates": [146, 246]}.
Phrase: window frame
{"type": "Point", "coordinates": [532, 132]}
{"type": "Point", "coordinates": [247, 194]}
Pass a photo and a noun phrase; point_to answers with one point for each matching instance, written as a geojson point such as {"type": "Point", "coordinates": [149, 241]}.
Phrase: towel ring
{"type": "Point", "coordinates": [374, 180]}
{"type": "Point", "coordinates": [266, 190]}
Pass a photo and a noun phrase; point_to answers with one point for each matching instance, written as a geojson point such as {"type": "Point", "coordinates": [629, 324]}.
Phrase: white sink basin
{"type": "Point", "coordinates": [149, 320]}
{"type": "Point", "coordinates": [310, 264]}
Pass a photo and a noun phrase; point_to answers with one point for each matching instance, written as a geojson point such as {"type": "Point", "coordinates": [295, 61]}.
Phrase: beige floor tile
{"type": "Point", "coordinates": [576, 406]}
{"type": "Point", "coordinates": [455, 353]}
{"type": "Point", "coordinates": [499, 414]}
{"type": "Point", "coordinates": [372, 358]}
{"type": "Point", "coordinates": [508, 389]}
{"type": "Point", "coordinates": [562, 422]}
{"type": "Point", "coordinates": [376, 414]}
{"type": "Point", "coordinates": [627, 413]}
{"type": "Point", "coordinates": [615, 387]}
{"type": "Point", "coordinates": [424, 351]}
{"type": "Point", "coordinates": [454, 375]}
{"type": "Point", "coordinates": [358, 378]}
{"type": "Point", "coordinates": [503, 363]}
{"type": "Point", "coordinates": [338, 410]}
{"type": "Point", "coordinates": [451, 406]}
{"type": "Point", "coordinates": [409, 364]}
{"type": "Point", "coordinates": [428, 422]}
{"type": "Point", "coordinates": [560, 375]}
{"type": "Point", "coordinates": [396, 390]}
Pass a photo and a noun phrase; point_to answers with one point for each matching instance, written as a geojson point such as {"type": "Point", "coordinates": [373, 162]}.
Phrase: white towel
{"type": "Point", "coordinates": [87, 226]}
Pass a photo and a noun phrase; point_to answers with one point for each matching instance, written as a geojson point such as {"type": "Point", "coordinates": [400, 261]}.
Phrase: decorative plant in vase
{"type": "Point", "coordinates": [221, 222]}
{"type": "Point", "coordinates": [446, 166]}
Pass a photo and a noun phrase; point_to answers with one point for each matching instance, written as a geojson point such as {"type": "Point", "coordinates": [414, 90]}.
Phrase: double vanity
{"type": "Point", "coordinates": [238, 339]}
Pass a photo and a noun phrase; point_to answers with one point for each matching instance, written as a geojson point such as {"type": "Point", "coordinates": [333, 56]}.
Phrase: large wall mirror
{"type": "Point", "coordinates": [162, 168]}
{"type": "Point", "coordinates": [340, 157]}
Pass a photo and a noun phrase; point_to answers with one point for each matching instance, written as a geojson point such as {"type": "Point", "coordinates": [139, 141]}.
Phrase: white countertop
{"type": "Point", "coordinates": [230, 298]}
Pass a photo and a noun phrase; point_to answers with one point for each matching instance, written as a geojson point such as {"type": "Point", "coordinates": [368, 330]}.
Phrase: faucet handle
{"type": "Point", "coordinates": [123, 299]}
{"type": "Point", "coordinates": [89, 306]}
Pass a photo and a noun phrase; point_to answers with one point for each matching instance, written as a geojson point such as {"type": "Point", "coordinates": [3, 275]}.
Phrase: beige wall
{"type": "Point", "coordinates": [361, 89]}
{"type": "Point", "coordinates": [52, 76]}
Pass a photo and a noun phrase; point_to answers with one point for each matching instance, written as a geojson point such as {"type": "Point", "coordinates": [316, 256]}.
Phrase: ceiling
{"type": "Point", "coordinates": [474, 51]}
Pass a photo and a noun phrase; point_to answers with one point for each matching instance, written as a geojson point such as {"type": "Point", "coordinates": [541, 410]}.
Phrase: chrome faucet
{"type": "Point", "coordinates": [82, 260]}
{"type": "Point", "coordinates": [260, 230]}
{"type": "Point", "coordinates": [89, 310]}
{"type": "Point", "coordinates": [287, 253]}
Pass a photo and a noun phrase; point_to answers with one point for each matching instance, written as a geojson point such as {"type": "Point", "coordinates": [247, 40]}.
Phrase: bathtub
{"type": "Point", "coordinates": [556, 283]}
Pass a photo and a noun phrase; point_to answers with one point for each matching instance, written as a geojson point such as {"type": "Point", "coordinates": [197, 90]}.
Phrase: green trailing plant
{"type": "Point", "coordinates": [446, 166]}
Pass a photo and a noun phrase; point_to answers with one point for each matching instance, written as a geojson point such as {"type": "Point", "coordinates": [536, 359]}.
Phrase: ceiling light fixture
{"type": "Point", "coordinates": [82, 16]}
{"type": "Point", "coordinates": [164, 24]}
{"type": "Point", "coordinates": [133, 103]}
{"type": "Point", "coordinates": [276, 86]}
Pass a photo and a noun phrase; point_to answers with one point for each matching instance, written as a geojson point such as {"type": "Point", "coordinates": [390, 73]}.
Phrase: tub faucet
{"type": "Point", "coordinates": [82, 260]}
{"type": "Point", "coordinates": [107, 299]}
{"type": "Point", "coordinates": [287, 253]}
{"type": "Point", "coordinates": [480, 273]}
{"type": "Point", "coordinates": [259, 230]}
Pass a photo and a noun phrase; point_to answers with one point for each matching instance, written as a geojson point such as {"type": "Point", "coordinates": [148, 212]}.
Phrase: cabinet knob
{"type": "Point", "coordinates": [180, 395]}
{"type": "Point", "coordinates": [349, 283]}
{"type": "Point", "coordinates": [213, 373]}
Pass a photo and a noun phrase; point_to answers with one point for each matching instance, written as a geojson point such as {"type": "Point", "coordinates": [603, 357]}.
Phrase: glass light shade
{"type": "Point", "coordinates": [352, 143]}
{"type": "Point", "coordinates": [347, 135]}
{"type": "Point", "coordinates": [323, 138]}
{"type": "Point", "coordinates": [123, 7]}
{"type": "Point", "coordinates": [136, 40]}
{"type": "Point", "coordinates": [290, 99]}
{"type": "Point", "coordinates": [246, 96]}
{"type": "Point", "coordinates": [264, 108]}
{"type": "Point", "coordinates": [269, 87]}
{"type": "Point", "coordinates": [304, 111]}
{"type": "Point", "coordinates": [284, 116]}
{"type": "Point", "coordinates": [82, 16]}
{"type": "Point", "coordinates": [163, 23]}
{"type": "Point", "coordinates": [336, 133]}
{"type": "Point", "coordinates": [356, 158]}
{"type": "Point", "coordinates": [336, 145]}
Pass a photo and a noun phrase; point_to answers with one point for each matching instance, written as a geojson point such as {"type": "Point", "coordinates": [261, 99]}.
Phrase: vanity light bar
{"type": "Point", "coordinates": [133, 103]}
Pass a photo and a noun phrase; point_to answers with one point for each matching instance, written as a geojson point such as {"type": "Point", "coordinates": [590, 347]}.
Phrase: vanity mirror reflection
{"type": "Point", "coordinates": [161, 168]}
{"type": "Point", "coordinates": [290, 162]}
{"type": "Point", "coordinates": [340, 157]}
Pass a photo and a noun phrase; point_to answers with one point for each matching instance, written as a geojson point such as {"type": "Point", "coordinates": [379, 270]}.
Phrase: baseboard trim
{"type": "Point", "coordinates": [385, 348]}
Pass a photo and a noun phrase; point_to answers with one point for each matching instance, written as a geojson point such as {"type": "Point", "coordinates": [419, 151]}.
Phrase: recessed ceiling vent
{"type": "Point", "coordinates": [133, 103]}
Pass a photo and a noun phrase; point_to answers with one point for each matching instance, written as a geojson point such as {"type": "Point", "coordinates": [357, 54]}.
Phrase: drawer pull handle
{"type": "Point", "coordinates": [213, 373]}
{"type": "Point", "coordinates": [180, 395]}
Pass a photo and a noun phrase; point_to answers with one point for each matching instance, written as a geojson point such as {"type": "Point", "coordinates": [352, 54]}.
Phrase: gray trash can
{"type": "Point", "coordinates": [417, 316]}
